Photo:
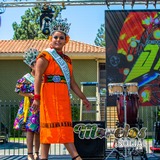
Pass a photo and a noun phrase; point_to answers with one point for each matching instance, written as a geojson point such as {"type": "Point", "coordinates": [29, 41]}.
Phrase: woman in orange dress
{"type": "Point", "coordinates": [53, 94]}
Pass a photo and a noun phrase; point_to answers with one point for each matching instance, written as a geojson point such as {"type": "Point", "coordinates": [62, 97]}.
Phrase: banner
{"type": "Point", "coordinates": [133, 54]}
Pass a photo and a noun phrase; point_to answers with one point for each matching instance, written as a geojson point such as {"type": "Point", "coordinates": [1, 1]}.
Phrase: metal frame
{"type": "Point", "coordinates": [32, 3]}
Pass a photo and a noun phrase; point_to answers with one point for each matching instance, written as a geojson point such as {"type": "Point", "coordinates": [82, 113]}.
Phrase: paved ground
{"type": "Point", "coordinates": [67, 157]}
{"type": "Point", "coordinates": [25, 158]}
{"type": "Point", "coordinates": [18, 151]}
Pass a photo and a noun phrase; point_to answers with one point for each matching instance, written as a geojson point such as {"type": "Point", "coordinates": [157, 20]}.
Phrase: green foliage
{"type": "Point", "coordinates": [100, 39]}
{"type": "Point", "coordinates": [75, 113]}
{"type": "Point", "coordinates": [29, 28]}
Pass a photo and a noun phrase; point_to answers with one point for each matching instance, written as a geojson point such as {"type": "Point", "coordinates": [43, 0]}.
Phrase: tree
{"type": "Point", "coordinates": [29, 28]}
{"type": "Point", "coordinates": [100, 39]}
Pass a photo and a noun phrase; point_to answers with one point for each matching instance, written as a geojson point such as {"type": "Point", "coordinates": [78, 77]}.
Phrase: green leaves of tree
{"type": "Point", "coordinates": [100, 39]}
{"type": "Point", "coordinates": [29, 28]}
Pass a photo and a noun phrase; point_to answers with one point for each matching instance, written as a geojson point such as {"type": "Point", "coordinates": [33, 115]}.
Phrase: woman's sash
{"type": "Point", "coordinates": [63, 65]}
{"type": "Point", "coordinates": [29, 77]}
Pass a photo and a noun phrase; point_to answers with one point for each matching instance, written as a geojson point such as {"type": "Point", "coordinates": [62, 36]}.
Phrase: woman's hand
{"type": "Point", "coordinates": [87, 104]}
{"type": "Point", "coordinates": [36, 105]}
{"type": "Point", "coordinates": [30, 95]}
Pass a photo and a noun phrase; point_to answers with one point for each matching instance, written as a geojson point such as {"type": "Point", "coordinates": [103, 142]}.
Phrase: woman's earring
{"type": "Point", "coordinates": [50, 38]}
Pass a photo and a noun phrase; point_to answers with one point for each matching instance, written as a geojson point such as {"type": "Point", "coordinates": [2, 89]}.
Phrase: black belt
{"type": "Point", "coordinates": [54, 78]}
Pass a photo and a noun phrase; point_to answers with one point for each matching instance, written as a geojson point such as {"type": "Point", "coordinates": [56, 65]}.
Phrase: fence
{"type": "Point", "coordinates": [14, 142]}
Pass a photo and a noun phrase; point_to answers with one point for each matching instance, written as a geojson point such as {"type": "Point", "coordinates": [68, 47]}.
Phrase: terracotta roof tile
{"type": "Point", "coordinates": [20, 46]}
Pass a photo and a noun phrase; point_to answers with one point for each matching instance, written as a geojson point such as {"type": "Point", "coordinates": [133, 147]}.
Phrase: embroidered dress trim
{"type": "Point", "coordinates": [56, 124]}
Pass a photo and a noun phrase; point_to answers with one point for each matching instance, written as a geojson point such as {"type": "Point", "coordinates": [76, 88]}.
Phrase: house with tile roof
{"type": "Point", "coordinates": [88, 63]}
{"type": "Point", "coordinates": [88, 66]}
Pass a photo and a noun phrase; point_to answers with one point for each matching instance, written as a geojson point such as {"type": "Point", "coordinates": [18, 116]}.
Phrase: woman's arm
{"type": "Point", "coordinates": [41, 66]}
{"type": "Point", "coordinates": [30, 95]}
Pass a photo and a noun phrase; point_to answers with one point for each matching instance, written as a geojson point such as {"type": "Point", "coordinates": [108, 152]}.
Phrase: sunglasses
{"type": "Point", "coordinates": [61, 37]}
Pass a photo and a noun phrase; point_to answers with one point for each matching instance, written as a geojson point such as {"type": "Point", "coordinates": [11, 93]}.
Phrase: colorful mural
{"type": "Point", "coordinates": [133, 54]}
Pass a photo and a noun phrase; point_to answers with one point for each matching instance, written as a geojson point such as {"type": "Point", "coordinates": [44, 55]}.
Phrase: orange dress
{"type": "Point", "coordinates": [55, 107]}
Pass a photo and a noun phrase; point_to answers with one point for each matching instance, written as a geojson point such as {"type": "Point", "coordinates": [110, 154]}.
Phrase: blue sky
{"type": "Point", "coordinates": [85, 21]}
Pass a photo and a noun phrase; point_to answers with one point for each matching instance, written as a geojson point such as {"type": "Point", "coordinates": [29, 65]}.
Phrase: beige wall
{"type": "Point", "coordinates": [85, 71]}
{"type": "Point", "coordinates": [12, 70]}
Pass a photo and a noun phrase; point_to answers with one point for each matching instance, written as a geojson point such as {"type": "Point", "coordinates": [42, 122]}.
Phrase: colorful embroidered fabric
{"type": "Point", "coordinates": [32, 123]}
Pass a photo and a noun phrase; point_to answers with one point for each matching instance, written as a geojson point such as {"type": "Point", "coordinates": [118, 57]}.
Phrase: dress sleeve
{"type": "Point", "coordinates": [24, 86]}
{"type": "Point", "coordinates": [45, 54]}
